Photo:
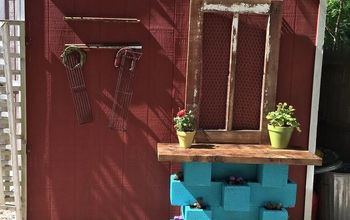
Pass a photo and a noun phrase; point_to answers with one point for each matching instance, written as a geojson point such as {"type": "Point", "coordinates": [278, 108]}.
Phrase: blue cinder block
{"type": "Point", "coordinates": [197, 174]}
{"type": "Point", "coordinates": [221, 171]}
{"type": "Point", "coordinates": [220, 214]}
{"type": "Point", "coordinates": [183, 194]}
{"type": "Point", "coordinates": [273, 214]}
{"type": "Point", "coordinates": [197, 214]}
{"type": "Point", "coordinates": [259, 195]}
{"type": "Point", "coordinates": [236, 197]}
{"type": "Point", "coordinates": [273, 175]}
{"type": "Point", "coordinates": [179, 194]}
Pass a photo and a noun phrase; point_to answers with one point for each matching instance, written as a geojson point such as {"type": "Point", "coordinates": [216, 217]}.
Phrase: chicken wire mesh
{"type": "Point", "coordinates": [248, 75]}
{"type": "Point", "coordinates": [249, 71]}
{"type": "Point", "coordinates": [216, 60]}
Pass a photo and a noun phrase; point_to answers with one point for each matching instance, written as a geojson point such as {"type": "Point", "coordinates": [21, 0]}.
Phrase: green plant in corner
{"type": "Point", "coordinates": [283, 116]}
{"type": "Point", "coordinates": [281, 125]}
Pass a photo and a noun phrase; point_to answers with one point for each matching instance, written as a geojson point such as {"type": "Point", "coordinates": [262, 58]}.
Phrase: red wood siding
{"type": "Point", "coordinates": [90, 172]}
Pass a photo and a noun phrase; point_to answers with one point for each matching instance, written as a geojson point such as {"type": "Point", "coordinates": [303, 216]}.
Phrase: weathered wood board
{"type": "Point", "coordinates": [236, 153]}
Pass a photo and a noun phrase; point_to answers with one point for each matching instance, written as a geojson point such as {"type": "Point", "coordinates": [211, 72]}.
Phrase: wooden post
{"type": "Point", "coordinates": [194, 59]}
{"type": "Point", "coordinates": [273, 35]}
{"type": "Point", "coordinates": [232, 72]}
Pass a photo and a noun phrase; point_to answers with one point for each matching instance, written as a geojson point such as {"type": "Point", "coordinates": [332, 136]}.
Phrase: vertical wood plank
{"type": "Point", "coordinates": [232, 72]}
{"type": "Point", "coordinates": [23, 119]}
{"type": "Point", "coordinates": [194, 57]}
{"type": "Point", "coordinates": [273, 35]}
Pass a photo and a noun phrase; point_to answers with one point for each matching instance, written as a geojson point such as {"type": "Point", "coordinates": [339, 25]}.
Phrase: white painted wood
{"type": "Point", "coordinates": [237, 8]}
{"type": "Point", "coordinates": [232, 72]}
{"type": "Point", "coordinates": [2, 194]}
{"type": "Point", "coordinates": [315, 105]}
{"type": "Point", "coordinates": [24, 116]}
{"type": "Point", "coordinates": [12, 121]}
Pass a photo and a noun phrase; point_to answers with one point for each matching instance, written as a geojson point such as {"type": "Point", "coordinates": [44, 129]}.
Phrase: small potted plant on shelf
{"type": "Point", "coordinates": [184, 125]}
{"type": "Point", "coordinates": [281, 125]}
{"type": "Point", "coordinates": [273, 211]}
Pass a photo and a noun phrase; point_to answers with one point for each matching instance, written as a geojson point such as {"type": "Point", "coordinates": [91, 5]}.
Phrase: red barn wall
{"type": "Point", "coordinates": [92, 172]}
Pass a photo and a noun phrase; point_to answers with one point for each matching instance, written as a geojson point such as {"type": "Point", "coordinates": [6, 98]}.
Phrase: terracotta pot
{"type": "Point", "coordinates": [279, 136]}
{"type": "Point", "coordinates": [185, 138]}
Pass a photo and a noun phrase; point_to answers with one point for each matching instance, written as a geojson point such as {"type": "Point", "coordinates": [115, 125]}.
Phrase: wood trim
{"type": "Point", "coordinates": [221, 136]}
{"type": "Point", "coordinates": [315, 106]}
{"type": "Point", "coordinates": [102, 19]}
{"type": "Point", "coordinates": [236, 7]}
{"type": "Point", "coordinates": [232, 72]}
{"type": "Point", "coordinates": [24, 120]}
{"type": "Point", "coordinates": [273, 35]}
{"type": "Point", "coordinates": [235, 153]}
{"type": "Point", "coordinates": [194, 57]}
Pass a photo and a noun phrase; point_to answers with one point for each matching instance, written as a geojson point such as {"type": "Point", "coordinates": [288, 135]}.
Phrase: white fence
{"type": "Point", "coordinates": [12, 118]}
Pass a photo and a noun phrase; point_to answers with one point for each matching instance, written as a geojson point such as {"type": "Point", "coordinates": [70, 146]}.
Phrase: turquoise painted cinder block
{"type": "Point", "coordinates": [183, 194]}
{"type": "Point", "coordinates": [197, 214]}
{"type": "Point", "coordinates": [221, 171]}
{"type": "Point", "coordinates": [273, 214]}
{"type": "Point", "coordinates": [219, 213]}
{"type": "Point", "coordinates": [260, 195]}
{"type": "Point", "coordinates": [179, 194]}
{"type": "Point", "coordinates": [197, 174]}
{"type": "Point", "coordinates": [236, 197]}
{"type": "Point", "coordinates": [273, 175]}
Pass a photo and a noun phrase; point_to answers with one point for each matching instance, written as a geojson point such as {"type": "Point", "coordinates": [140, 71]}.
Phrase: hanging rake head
{"type": "Point", "coordinates": [125, 61]}
{"type": "Point", "coordinates": [73, 59]}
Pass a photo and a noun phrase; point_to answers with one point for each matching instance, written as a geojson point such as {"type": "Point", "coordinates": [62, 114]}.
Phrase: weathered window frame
{"type": "Point", "coordinates": [272, 8]}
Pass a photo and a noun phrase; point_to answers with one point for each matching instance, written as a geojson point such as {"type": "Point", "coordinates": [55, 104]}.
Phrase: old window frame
{"type": "Point", "coordinates": [272, 8]}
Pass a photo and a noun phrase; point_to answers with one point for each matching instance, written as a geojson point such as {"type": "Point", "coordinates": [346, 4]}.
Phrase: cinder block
{"type": "Point", "coordinates": [183, 194]}
{"type": "Point", "coordinates": [220, 171]}
{"type": "Point", "coordinates": [218, 213]}
{"type": "Point", "coordinates": [179, 194]}
{"type": "Point", "coordinates": [197, 174]}
{"type": "Point", "coordinates": [260, 195]}
{"type": "Point", "coordinates": [236, 197]}
{"type": "Point", "coordinates": [273, 175]}
{"type": "Point", "coordinates": [197, 214]}
{"type": "Point", "coordinates": [273, 214]}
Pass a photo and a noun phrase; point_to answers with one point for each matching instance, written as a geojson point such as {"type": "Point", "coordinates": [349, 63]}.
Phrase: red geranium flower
{"type": "Point", "coordinates": [181, 113]}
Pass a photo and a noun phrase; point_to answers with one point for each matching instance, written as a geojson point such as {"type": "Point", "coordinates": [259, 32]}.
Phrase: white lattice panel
{"type": "Point", "coordinates": [12, 126]}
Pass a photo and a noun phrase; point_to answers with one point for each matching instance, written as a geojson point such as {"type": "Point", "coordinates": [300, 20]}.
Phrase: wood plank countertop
{"type": "Point", "coordinates": [236, 153]}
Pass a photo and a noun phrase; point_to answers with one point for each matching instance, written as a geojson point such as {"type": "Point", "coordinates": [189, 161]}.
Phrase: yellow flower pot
{"type": "Point", "coordinates": [185, 138]}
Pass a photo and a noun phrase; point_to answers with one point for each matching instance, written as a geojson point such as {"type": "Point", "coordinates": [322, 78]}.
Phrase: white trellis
{"type": "Point", "coordinates": [12, 118]}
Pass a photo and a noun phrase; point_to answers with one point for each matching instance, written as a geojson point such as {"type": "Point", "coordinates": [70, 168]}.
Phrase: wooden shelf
{"type": "Point", "coordinates": [236, 153]}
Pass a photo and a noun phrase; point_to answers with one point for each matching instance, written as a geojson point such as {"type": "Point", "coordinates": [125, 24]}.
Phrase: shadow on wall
{"type": "Point", "coordinates": [90, 171]}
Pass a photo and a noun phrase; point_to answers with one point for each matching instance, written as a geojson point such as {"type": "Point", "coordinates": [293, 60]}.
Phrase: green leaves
{"type": "Point", "coordinates": [283, 116]}
{"type": "Point", "coordinates": [184, 122]}
{"type": "Point", "coordinates": [337, 25]}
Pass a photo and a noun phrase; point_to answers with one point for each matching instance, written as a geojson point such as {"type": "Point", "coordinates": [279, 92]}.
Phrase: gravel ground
{"type": "Point", "coordinates": [7, 215]}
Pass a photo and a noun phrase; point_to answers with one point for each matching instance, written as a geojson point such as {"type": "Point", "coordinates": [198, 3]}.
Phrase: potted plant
{"type": "Point", "coordinates": [184, 125]}
{"type": "Point", "coordinates": [281, 125]}
{"type": "Point", "coordinates": [273, 211]}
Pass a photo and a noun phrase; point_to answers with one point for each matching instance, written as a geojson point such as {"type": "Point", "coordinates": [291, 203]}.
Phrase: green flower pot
{"type": "Point", "coordinates": [279, 136]}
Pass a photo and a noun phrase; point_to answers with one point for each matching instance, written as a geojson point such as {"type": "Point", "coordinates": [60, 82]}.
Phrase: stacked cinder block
{"type": "Point", "coordinates": [265, 183]}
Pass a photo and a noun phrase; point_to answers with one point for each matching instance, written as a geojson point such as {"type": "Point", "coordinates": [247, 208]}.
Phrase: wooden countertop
{"type": "Point", "coordinates": [236, 153]}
